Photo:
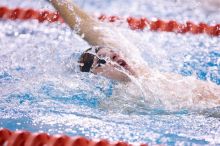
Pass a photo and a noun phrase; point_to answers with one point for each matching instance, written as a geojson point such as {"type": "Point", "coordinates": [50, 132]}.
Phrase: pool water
{"type": "Point", "coordinates": [38, 91]}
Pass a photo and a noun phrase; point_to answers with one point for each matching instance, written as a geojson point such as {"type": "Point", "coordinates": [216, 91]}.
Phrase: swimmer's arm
{"type": "Point", "coordinates": [202, 90]}
{"type": "Point", "coordinates": [78, 20]}
{"type": "Point", "coordinates": [91, 30]}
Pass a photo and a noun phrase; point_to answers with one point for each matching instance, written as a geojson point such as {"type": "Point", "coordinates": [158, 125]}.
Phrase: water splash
{"type": "Point", "coordinates": [38, 91]}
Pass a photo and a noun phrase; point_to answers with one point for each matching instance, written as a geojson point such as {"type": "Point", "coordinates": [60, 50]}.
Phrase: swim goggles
{"type": "Point", "coordinates": [87, 59]}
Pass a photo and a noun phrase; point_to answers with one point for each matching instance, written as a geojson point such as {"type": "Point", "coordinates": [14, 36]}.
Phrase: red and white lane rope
{"type": "Point", "coordinates": [25, 138]}
{"type": "Point", "coordinates": [134, 23]}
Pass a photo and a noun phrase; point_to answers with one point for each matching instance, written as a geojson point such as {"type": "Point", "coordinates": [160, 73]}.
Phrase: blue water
{"type": "Point", "coordinates": [38, 91]}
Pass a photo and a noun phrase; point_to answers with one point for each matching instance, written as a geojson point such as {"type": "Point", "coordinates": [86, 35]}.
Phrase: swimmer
{"type": "Point", "coordinates": [103, 58]}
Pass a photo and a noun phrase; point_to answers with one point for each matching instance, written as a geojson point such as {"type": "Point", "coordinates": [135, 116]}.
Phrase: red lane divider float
{"type": "Point", "coordinates": [166, 26]}
{"type": "Point", "coordinates": [25, 138]}
{"type": "Point", "coordinates": [134, 23]}
{"type": "Point", "coordinates": [25, 14]}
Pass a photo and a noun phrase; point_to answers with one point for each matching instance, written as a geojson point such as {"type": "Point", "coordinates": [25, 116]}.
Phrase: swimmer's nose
{"type": "Point", "coordinates": [114, 57]}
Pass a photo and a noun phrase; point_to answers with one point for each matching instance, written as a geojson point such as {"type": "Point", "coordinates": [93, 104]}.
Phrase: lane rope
{"type": "Point", "coordinates": [133, 23]}
{"type": "Point", "coordinates": [25, 138]}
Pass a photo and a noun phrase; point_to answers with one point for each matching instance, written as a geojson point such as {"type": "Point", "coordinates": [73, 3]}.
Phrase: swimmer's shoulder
{"type": "Point", "coordinates": [142, 70]}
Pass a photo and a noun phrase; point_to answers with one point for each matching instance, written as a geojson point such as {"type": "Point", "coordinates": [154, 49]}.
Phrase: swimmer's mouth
{"type": "Point", "coordinates": [122, 63]}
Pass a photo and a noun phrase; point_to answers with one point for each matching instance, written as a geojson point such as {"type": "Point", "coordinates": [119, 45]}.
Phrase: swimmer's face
{"type": "Point", "coordinates": [110, 64]}
{"type": "Point", "coordinates": [115, 67]}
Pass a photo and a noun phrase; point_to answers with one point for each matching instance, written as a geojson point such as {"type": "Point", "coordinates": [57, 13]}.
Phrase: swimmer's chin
{"type": "Point", "coordinates": [124, 78]}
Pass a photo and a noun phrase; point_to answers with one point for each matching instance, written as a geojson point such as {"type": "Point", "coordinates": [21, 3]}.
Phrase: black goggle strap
{"type": "Point", "coordinates": [94, 49]}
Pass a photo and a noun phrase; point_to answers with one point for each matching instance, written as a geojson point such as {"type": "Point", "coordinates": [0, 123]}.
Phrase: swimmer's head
{"type": "Point", "coordinates": [106, 62]}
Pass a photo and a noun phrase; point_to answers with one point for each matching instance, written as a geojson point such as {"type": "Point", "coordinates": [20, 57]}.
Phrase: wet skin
{"type": "Point", "coordinates": [115, 68]}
